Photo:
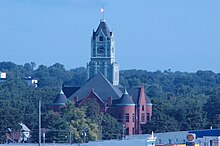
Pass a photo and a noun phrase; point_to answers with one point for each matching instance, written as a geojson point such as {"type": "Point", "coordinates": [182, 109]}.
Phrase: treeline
{"type": "Point", "coordinates": [181, 100]}
{"type": "Point", "coordinates": [19, 104]}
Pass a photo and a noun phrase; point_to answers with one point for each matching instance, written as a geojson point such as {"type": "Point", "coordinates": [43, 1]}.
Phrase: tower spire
{"type": "Point", "coordinates": [102, 13]}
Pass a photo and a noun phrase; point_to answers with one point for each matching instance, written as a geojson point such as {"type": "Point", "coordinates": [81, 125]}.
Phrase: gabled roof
{"type": "Point", "coordinates": [104, 28]}
{"type": "Point", "coordinates": [135, 93]}
{"type": "Point", "coordinates": [60, 99]}
{"type": "Point", "coordinates": [68, 91]}
{"type": "Point", "coordinates": [101, 86]}
{"type": "Point", "coordinates": [91, 95]}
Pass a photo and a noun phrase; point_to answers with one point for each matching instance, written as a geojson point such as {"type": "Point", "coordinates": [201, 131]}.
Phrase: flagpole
{"type": "Point", "coordinates": [102, 13]}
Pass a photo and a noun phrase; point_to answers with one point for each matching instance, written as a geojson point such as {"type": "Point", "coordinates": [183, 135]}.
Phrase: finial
{"type": "Point", "coordinates": [61, 91]}
{"type": "Point", "coordinates": [152, 137]}
{"type": "Point", "coordinates": [102, 13]}
{"type": "Point", "coordinates": [125, 91]}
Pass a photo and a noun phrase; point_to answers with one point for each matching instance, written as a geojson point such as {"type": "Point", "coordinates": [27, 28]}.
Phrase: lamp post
{"type": "Point", "coordinates": [44, 137]}
{"type": "Point", "coordinates": [84, 134]}
{"type": "Point", "coordinates": [123, 131]}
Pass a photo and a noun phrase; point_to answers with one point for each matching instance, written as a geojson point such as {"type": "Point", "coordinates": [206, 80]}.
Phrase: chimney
{"type": "Point", "coordinates": [75, 99]}
{"type": "Point", "coordinates": [109, 101]}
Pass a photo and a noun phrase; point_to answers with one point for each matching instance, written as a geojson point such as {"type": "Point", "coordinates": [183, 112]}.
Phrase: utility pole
{"type": "Point", "coordinates": [39, 142]}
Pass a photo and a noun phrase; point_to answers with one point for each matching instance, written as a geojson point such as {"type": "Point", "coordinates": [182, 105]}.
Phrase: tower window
{"type": "Point", "coordinates": [127, 117]}
{"type": "Point", "coordinates": [133, 118]}
{"type": "Point", "coordinates": [101, 38]}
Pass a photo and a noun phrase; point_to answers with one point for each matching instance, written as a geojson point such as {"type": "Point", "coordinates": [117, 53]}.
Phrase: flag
{"type": "Point", "coordinates": [101, 10]}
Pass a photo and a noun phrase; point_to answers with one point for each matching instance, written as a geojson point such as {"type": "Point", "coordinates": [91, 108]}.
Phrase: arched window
{"type": "Point", "coordinates": [101, 38]}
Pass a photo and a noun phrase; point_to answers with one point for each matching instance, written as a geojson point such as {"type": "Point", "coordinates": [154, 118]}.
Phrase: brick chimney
{"type": "Point", "coordinates": [109, 101]}
{"type": "Point", "coordinates": [75, 99]}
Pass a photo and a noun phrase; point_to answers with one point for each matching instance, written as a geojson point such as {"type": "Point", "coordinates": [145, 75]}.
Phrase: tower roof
{"type": "Point", "coordinates": [125, 100]}
{"type": "Point", "coordinates": [135, 94]}
{"type": "Point", "coordinates": [103, 27]}
{"type": "Point", "coordinates": [60, 99]}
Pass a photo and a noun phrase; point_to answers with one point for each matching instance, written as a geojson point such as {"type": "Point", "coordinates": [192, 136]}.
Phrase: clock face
{"type": "Point", "coordinates": [100, 50]}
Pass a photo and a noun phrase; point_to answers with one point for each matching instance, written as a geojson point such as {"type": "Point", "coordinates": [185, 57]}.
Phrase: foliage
{"type": "Point", "coordinates": [181, 101]}
{"type": "Point", "coordinates": [111, 128]}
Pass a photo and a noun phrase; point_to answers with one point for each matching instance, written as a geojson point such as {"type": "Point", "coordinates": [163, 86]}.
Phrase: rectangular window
{"type": "Point", "coordinates": [133, 117]}
{"type": "Point", "coordinates": [142, 107]}
{"type": "Point", "coordinates": [148, 117]}
{"type": "Point", "coordinates": [127, 131]}
{"type": "Point", "coordinates": [142, 117]}
{"type": "Point", "coordinates": [127, 117]}
{"type": "Point", "coordinates": [159, 141]}
{"type": "Point", "coordinates": [170, 141]}
{"type": "Point", "coordinates": [132, 131]}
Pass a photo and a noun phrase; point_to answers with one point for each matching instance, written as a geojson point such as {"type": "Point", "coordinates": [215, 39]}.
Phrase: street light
{"type": "Point", "coordinates": [84, 134]}
{"type": "Point", "coordinates": [123, 131]}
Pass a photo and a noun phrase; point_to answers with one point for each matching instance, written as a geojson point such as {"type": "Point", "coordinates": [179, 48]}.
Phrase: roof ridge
{"type": "Point", "coordinates": [112, 86]}
{"type": "Point", "coordinates": [93, 91]}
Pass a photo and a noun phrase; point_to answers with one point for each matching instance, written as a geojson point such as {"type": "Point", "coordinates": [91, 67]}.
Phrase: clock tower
{"type": "Point", "coordinates": [103, 54]}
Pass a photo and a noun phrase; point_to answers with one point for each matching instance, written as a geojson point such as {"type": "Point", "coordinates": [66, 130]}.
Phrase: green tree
{"type": "Point", "coordinates": [212, 109]}
{"type": "Point", "coordinates": [111, 128]}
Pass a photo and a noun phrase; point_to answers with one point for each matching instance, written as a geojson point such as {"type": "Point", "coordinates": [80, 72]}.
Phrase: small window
{"type": "Point", "coordinates": [127, 131]}
{"type": "Point", "coordinates": [170, 141]}
{"type": "Point", "coordinates": [101, 38]}
{"type": "Point", "coordinates": [211, 143]}
{"type": "Point", "coordinates": [142, 107]}
{"type": "Point", "coordinates": [160, 141]}
{"type": "Point", "coordinates": [127, 117]}
{"type": "Point", "coordinates": [148, 117]}
{"type": "Point", "coordinates": [142, 117]}
{"type": "Point", "coordinates": [133, 117]}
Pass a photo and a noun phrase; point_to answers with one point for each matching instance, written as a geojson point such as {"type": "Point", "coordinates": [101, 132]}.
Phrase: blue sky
{"type": "Point", "coordinates": [181, 35]}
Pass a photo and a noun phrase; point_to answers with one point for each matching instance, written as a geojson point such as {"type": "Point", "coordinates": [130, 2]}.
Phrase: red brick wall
{"type": "Point", "coordinates": [149, 110]}
{"type": "Point", "coordinates": [142, 110]}
{"type": "Point", "coordinates": [123, 110]}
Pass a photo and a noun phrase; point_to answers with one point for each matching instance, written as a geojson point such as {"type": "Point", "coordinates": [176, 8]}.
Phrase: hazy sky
{"type": "Point", "coordinates": [181, 35]}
